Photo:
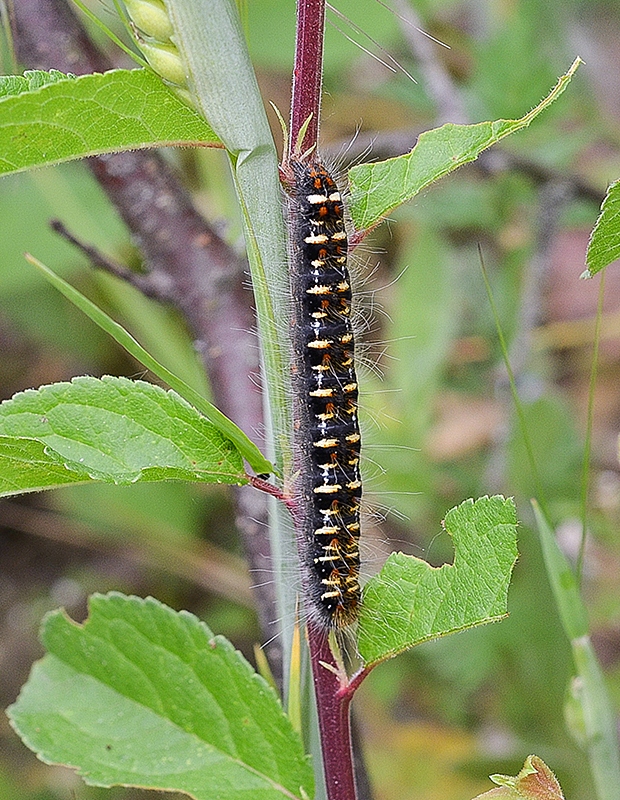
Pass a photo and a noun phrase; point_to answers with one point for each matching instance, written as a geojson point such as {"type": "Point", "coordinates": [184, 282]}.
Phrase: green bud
{"type": "Point", "coordinates": [184, 96]}
{"type": "Point", "coordinates": [166, 61]}
{"type": "Point", "coordinates": [151, 18]}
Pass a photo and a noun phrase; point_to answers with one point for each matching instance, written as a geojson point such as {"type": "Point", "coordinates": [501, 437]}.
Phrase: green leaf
{"type": "Point", "coordinates": [377, 189]}
{"type": "Point", "coordinates": [599, 734]}
{"type": "Point", "coordinates": [410, 602]}
{"type": "Point", "coordinates": [27, 465]}
{"type": "Point", "coordinates": [604, 245]}
{"type": "Point", "coordinates": [211, 41]}
{"type": "Point", "coordinates": [212, 44]}
{"type": "Point", "coordinates": [113, 430]}
{"type": "Point", "coordinates": [90, 115]}
{"type": "Point", "coordinates": [143, 696]}
{"type": "Point", "coordinates": [31, 79]}
{"type": "Point", "coordinates": [246, 447]}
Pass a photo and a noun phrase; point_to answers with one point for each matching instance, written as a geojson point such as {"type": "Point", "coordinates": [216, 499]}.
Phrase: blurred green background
{"type": "Point", "coordinates": [438, 418]}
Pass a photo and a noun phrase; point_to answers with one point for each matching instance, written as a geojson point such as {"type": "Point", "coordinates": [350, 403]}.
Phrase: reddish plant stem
{"type": "Point", "coordinates": [332, 701]}
{"type": "Point", "coordinates": [354, 683]}
{"type": "Point", "coordinates": [264, 486]}
{"type": "Point", "coordinates": [308, 73]}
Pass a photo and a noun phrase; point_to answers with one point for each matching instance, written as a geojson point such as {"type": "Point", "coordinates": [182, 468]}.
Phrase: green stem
{"type": "Point", "coordinates": [210, 38]}
{"type": "Point", "coordinates": [587, 449]}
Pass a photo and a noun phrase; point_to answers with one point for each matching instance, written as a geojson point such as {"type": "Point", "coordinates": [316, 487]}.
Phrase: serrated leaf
{"type": "Point", "coordinates": [143, 696]}
{"type": "Point", "coordinates": [113, 430]}
{"type": "Point", "coordinates": [534, 782]}
{"type": "Point", "coordinates": [93, 114]}
{"type": "Point", "coordinates": [410, 602]}
{"type": "Point", "coordinates": [377, 189]}
{"type": "Point", "coordinates": [31, 79]}
{"type": "Point", "coordinates": [604, 245]}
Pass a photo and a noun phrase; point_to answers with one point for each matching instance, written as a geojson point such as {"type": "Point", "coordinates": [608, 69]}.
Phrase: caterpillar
{"type": "Point", "coordinates": [326, 435]}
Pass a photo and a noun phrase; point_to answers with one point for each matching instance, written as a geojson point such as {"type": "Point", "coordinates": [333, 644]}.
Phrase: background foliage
{"type": "Point", "coordinates": [440, 425]}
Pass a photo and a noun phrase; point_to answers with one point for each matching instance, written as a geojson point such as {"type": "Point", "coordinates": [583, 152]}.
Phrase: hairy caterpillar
{"type": "Point", "coordinates": [326, 434]}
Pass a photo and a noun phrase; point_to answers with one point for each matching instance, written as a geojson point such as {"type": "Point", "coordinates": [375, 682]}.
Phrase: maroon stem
{"type": "Point", "coordinates": [308, 73]}
{"type": "Point", "coordinates": [330, 685]}
{"type": "Point", "coordinates": [332, 702]}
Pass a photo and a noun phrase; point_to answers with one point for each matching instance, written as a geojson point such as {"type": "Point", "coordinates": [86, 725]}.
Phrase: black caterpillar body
{"type": "Point", "coordinates": [326, 436]}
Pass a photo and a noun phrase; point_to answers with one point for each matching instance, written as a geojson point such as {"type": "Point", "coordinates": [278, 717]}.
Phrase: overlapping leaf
{"type": "Point", "coordinates": [26, 465]}
{"type": "Point", "coordinates": [227, 427]}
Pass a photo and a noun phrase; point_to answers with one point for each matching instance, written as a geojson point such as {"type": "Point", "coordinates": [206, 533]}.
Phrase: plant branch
{"type": "Point", "coordinates": [142, 282]}
{"type": "Point", "coordinates": [307, 74]}
{"type": "Point", "coordinates": [186, 261]}
{"type": "Point", "coordinates": [331, 702]}
{"type": "Point", "coordinates": [205, 566]}
{"type": "Point", "coordinates": [334, 718]}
